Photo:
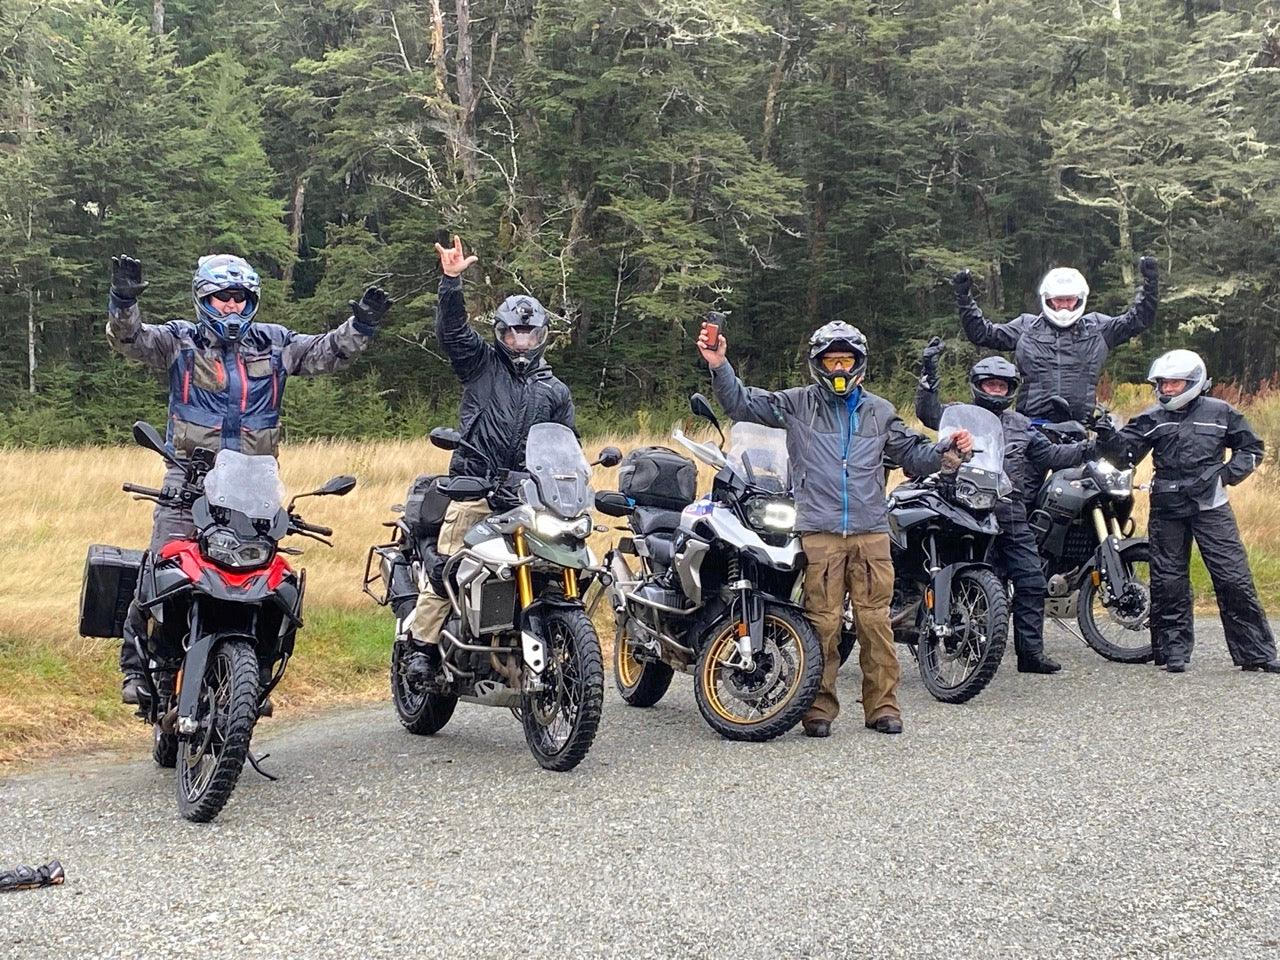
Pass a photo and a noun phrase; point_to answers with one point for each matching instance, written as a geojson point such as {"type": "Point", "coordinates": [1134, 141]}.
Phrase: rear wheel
{"type": "Point", "coordinates": [1121, 629]}
{"type": "Point", "coordinates": [642, 683]}
{"type": "Point", "coordinates": [560, 722]}
{"type": "Point", "coordinates": [420, 710]}
{"type": "Point", "coordinates": [210, 760]}
{"type": "Point", "coordinates": [957, 667]}
{"type": "Point", "coordinates": [770, 698]}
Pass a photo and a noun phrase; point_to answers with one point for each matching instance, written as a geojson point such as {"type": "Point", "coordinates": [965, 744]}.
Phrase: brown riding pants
{"type": "Point", "coordinates": [858, 565]}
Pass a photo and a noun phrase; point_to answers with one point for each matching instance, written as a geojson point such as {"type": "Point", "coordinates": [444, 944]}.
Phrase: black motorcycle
{"type": "Point", "coordinates": [222, 607]}
{"type": "Point", "coordinates": [948, 604]}
{"type": "Point", "coordinates": [1095, 565]}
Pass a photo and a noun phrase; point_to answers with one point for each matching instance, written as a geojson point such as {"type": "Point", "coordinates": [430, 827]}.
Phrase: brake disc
{"type": "Point", "coordinates": [1137, 597]}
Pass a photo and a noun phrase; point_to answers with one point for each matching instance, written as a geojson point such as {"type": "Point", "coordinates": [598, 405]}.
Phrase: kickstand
{"type": "Point", "coordinates": [256, 763]}
{"type": "Point", "coordinates": [1070, 629]}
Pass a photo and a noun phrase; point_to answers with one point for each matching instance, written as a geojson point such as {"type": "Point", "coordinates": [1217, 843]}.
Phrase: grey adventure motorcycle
{"type": "Point", "coordinates": [517, 635]}
{"type": "Point", "coordinates": [716, 590]}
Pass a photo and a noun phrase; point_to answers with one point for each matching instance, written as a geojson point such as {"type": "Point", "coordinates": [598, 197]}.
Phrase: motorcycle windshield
{"type": "Point", "coordinates": [988, 435]}
{"type": "Point", "coordinates": [561, 477]}
{"type": "Point", "coordinates": [248, 485]}
{"type": "Point", "coordinates": [759, 453]}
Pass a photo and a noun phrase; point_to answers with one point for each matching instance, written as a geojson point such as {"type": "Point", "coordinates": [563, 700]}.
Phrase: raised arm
{"type": "Point", "coordinates": [740, 402]}
{"type": "Point", "coordinates": [309, 354]}
{"type": "Point", "coordinates": [464, 347]}
{"type": "Point", "coordinates": [1140, 316]}
{"type": "Point", "coordinates": [928, 406]}
{"type": "Point", "coordinates": [980, 330]}
{"type": "Point", "coordinates": [153, 344]}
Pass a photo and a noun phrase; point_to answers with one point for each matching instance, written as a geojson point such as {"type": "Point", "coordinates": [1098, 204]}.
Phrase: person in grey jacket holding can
{"type": "Point", "coordinates": [838, 437]}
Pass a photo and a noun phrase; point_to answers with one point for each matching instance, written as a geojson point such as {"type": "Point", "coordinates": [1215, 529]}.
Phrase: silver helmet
{"type": "Point", "coordinates": [1179, 365]}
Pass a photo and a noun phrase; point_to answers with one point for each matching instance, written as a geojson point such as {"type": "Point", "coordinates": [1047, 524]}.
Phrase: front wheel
{"type": "Point", "coordinates": [560, 722]}
{"type": "Point", "coordinates": [1120, 628]}
{"type": "Point", "coordinates": [420, 710]}
{"type": "Point", "coordinates": [164, 748]}
{"type": "Point", "coordinates": [210, 760]}
{"type": "Point", "coordinates": [958, 666]}
{"type": "Point", "coordinates": [770, 698]}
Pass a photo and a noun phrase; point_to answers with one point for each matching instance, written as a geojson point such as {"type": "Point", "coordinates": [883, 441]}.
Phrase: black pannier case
{"type": "Point", "coordinates": [425, 505]}
{"type": "Point", "coordinates": [658, 477]}
{"type": "Point", "coordinates": [110, 578]}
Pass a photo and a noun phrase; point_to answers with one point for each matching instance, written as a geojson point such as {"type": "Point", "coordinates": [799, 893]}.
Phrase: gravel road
{"type": "Point", "coordinates": [1107, 812]}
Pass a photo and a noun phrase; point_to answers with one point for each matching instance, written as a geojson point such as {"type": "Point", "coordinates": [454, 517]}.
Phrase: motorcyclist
{"type": "Point", "coordinates": [1188, 434]}
{"type": "Point", "coordinates": [227, 373]}
{"type": "Point", "coordinates": [838, 435]}
{"type": "Point", "coordinates": [993, 382]}
{"type": "Point", "coordinates": [507, 387]}
{"type": "Point", "coordinates": [1061, 350]}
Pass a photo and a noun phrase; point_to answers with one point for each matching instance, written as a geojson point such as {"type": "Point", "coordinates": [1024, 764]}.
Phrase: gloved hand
{"type": "Point", "coordinates": [1105, 428]}
{"type": "Point", "coordinates": [371, 307]}
{"type": "Point", "coordinates": [29, 878]}
{"type": "Point", "coordinates": [962, 284]}
{"type": "Point", "coordinates": [126, 279]}
{"type": "Point", "coordinates": [929, 356]}
{"type": "Point", "coordinates": [1150, 269]}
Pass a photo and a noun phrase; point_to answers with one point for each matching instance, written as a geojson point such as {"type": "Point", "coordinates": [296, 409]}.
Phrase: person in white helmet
{"type": "Point", "coordinates": [1061, 350]}
{"type": "Point", "coordinates": [1188, 435]}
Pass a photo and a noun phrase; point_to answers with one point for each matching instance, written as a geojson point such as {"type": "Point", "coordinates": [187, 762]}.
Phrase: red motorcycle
{"type": "Point", "coordinates": [222, 608]}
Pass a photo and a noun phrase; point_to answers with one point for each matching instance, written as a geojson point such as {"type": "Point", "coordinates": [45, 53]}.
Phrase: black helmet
{"type": "Point", "coordinates": [520, 331]}
{"type": "Point", "coordinates": [840, 336]}
{"type": "Point", "coordinates": [993, 368]}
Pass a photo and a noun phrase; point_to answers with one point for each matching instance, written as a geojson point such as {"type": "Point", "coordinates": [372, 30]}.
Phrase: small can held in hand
{"type": "Point", "coordinates": [713, 328]}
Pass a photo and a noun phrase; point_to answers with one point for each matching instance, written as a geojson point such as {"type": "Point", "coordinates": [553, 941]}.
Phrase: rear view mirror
{"type": "Point", "coordinates": [446, 438]}
{"type": "Point", "coordinates": [145, 435]}
{"type": "Point", "coordinates": [701, 408]}
{"type": "Point", "coordinates": [610, 457]}
{"type": "Point", "coordinates": [338, 486]}
{"type": "Point", "coordinates": [613, 504]}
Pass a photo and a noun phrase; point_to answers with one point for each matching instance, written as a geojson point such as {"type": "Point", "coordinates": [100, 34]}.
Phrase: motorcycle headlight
{"type": "Point", "coordinates": [968, 494]}
{"type": "Point", "coordinates": [553, 528]}
{"type": "Point", "coordinates": [1116, 482]}
{"type": "Point", "coordinates": [772, 516]}
{"type": "Point", "coordinates": [223, 547]}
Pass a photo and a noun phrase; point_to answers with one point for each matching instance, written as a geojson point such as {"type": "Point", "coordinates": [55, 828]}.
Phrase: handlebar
{"type": "Point", "coordinates": [303, 526]}
{"type": "Point", "coordinates": [143, 491]}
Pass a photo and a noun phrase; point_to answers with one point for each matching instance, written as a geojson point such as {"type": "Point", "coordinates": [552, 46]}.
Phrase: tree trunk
{"type": "Point", "coordinates": [1126, 238]}
{"type": "Point", "coordinates": [157, 18]}
{"type": "Point", "coordinates": [771, 99]}
{"type": "Point", "coordinates": [26, 126]}
{"type": "Point", "coordinates": [295, 229]}
{"type": "Point", "coordinates": [437, 50]}
{"type": "Point", "coordinates": [463, 69]}
{"type": "Point", "coordinates": [815, 253]}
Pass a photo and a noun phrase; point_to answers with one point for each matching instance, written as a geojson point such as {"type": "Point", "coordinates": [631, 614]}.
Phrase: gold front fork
{"type": "Point", "coordinates": [524, 576]}
{"type": "Point", "coordinates": [570, 583]}
{"type": "Point", "coordinates": [1100, 525]}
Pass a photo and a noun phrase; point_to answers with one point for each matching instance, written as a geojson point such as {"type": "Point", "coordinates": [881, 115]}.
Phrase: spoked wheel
{"type": "Point", "coordinates": [420, 710]}
{"type": "Point", "coordinates": [642, 683]}
{"type": "Point", "coordinates": [560, 722]}
{"type": "Point", "coordinates": [770, 698]}
{"type": "Point", "coordinates": [210, 760]}
{"type": "Point", "coordinates": [957, 667]}
{"type": "Point", "coordinates": [1121, 629]}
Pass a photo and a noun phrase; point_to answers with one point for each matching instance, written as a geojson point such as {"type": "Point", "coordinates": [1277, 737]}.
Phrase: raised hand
{"type": "Point", "coordinates": [452, 260]}
{"type": "Point", "coordinates": [929, 356]}
{"type": "Point", "coordinates": [372, 306]}
{"type": "Point", "coordinates": [962, 442]}
{"type": "Point", "coordinates": [713, 353]}
{"type": "Point", "coordinates": [126, 278]}
{"type": "Point", "coordinates": [1150, 269]}
{"type": "Point", "coordinates": [962, 283]}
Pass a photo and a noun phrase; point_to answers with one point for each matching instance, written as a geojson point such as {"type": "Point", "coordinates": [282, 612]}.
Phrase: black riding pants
{"type": "Point", "coordinates": [1017, 559]}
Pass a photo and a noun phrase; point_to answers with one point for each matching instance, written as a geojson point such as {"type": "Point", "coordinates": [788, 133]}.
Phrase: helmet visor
{"type": "Point", "coordinates": [522, 339]}
{"type": "Point", "coordinates": [839, 361]}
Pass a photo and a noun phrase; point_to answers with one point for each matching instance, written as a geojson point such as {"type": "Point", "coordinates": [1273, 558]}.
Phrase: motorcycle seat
{"type": "Point", "coordinates": [649, 520]}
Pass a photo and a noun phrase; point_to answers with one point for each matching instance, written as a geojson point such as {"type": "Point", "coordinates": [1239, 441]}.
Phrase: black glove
{"type": "Point", "coordinates": [1104, 428]}
{"type": "Point", "coordinates": [371, 308]}
{"type": "Point", "coordinates": [1150, 269]}
{"type": "Point", "coordinates": [929, 356]}
{"type": "Point", "coordinates": [126, 279]}
{"type": "Point", "coordinates": [29, 878]}
{"type": "Point", "coordinates": [962, 284]}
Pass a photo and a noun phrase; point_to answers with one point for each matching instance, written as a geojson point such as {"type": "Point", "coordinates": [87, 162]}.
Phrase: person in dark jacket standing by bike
{"type": "Point", "coordinates": [1188, 435]}
{"type": "Point", "coordinates": [838, 436]}
{"type": "Point", "coordinates": [993, 382]}
{"type": "Point", "coordinates": [507, 387]}
{"type": "Point", "coordinates": [227, 374]}
{"type": "Point", "coordinates": [1061, 350]}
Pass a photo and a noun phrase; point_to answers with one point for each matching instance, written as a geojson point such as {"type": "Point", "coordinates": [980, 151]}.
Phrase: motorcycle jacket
{"type": "Point", "coordinates": [1023, 445]}
{"type": "Point", "coordinates": [1057, 361]}
{"type": "Point", "coordinates": [499, 403]}
{"type": "Point", "coordinates": [1188, 447]}
{"type": "Point", "coordinates": [836, 446]}
{"type": "Point", "coordinates": [227, 395]}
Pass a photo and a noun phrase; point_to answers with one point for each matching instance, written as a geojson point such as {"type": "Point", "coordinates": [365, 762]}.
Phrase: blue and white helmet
{"type": "Point", "coordinates": [222, 271]}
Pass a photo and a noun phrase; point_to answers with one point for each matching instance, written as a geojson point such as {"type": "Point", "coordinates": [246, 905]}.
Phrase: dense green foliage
{"type": "Point", "coordinates": [632, 164]}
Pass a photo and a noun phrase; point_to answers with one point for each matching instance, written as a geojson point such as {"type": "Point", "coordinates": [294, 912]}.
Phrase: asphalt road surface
{"type": "Point", "coordinates": [1107, 812]}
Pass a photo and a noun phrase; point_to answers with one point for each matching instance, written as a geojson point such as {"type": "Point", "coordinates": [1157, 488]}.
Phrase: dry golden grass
{"type": "Point", "coordinates": [58, 690]}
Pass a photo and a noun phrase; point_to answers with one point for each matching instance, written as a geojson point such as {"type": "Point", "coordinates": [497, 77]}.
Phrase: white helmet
{"type": "Point", "coordinates": [1063, 282]}
{"type": "Point", "coordinates": [1179, 365]}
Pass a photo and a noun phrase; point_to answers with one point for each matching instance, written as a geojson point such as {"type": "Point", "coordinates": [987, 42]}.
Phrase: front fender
{"type": "Point", "coordinates": [194, 665]}
{"type": "Point", "coordinates": [941, 584]}
{"type": "Point", "coordinates": [533, 628]}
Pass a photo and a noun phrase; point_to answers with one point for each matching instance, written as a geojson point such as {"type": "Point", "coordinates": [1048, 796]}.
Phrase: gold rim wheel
{"type": "Point", "coordinates": [625, 664]}
{"type": "Point", "coordinates": [777, 632]}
